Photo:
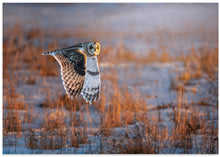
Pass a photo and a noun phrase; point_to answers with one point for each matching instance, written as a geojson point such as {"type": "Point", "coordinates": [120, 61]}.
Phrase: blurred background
{"type": "Point", "coordinates": [182, 25]}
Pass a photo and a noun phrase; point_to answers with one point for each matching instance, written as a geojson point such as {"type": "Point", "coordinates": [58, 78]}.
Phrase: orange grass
{"type": "Point", "coordinates": [117, 107]}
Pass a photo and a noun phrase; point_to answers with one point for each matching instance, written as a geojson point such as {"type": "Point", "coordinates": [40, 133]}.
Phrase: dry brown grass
{"type": "Point", "coordinates": [202, 62]}
{"type": "Point", "coordinates": [127, 141]}
{"type": "Point", "coordinates": [12, 122]}
{"type": "Point", "coordinates": [123, 105]}
{"type": "Point", "coordinates": [13, 99]}
{"type": "Point", "coordinates": [117, 107]}
{"type": "Point", "coordinates": [62, 101]}
{"type": "Point", "coordinates": [48, 140]}
{"type": "Point", "coordinates": [156, 55]}
{"type": "Point", "coordinates": [189, 125]}
{"type": "Point", "coordinates": [79, 136]}
{"type": "Point", "coordinates": [124, 55]}
{"type": "Point", "coordinates": [20, 48]}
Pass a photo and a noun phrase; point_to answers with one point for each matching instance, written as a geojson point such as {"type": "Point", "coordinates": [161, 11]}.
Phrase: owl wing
{"type": "Point", "coordinates": [73, 65]}
{"type": "Point", "coordinates": [92, 84]}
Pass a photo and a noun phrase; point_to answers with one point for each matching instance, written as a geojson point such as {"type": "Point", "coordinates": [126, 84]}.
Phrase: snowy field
{"type": "Point", "coordinates": [159, 71]}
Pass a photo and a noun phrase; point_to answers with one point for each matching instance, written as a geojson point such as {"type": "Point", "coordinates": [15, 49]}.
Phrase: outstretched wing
{"type": "Point", "coordinates": [92, 84]}
{"type": "Point", "coordinates": [73, 65]}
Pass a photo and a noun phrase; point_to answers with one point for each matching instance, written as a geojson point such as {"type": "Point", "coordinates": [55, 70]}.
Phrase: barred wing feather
{"type": "Point", "coordinates": [72, 71]}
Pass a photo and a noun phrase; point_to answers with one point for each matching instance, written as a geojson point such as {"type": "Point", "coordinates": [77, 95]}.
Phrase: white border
{"type": "Point", "coordinates": [110, 1]}
{"type": "Point", "coordinates": [1, 78]}
{"type": "Point", "coordinates": [82, 1]}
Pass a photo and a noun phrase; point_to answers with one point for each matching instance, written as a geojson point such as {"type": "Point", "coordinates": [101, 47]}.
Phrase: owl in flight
{"type": "Point", "coordinates": [79, 69]}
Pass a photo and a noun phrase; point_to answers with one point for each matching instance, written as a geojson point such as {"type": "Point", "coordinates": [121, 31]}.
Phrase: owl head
{"type": "Point", "coordinates": [91, 48]}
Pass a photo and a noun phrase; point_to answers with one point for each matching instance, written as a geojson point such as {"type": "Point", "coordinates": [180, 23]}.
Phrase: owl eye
{"type": "Point", "coordinates": [91, 47]}
{"type": "Point", "coordinates": [98, 47]}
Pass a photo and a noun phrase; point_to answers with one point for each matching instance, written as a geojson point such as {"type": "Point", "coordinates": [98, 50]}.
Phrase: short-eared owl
{"type": "Point", "coordinates": [79, 69]}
